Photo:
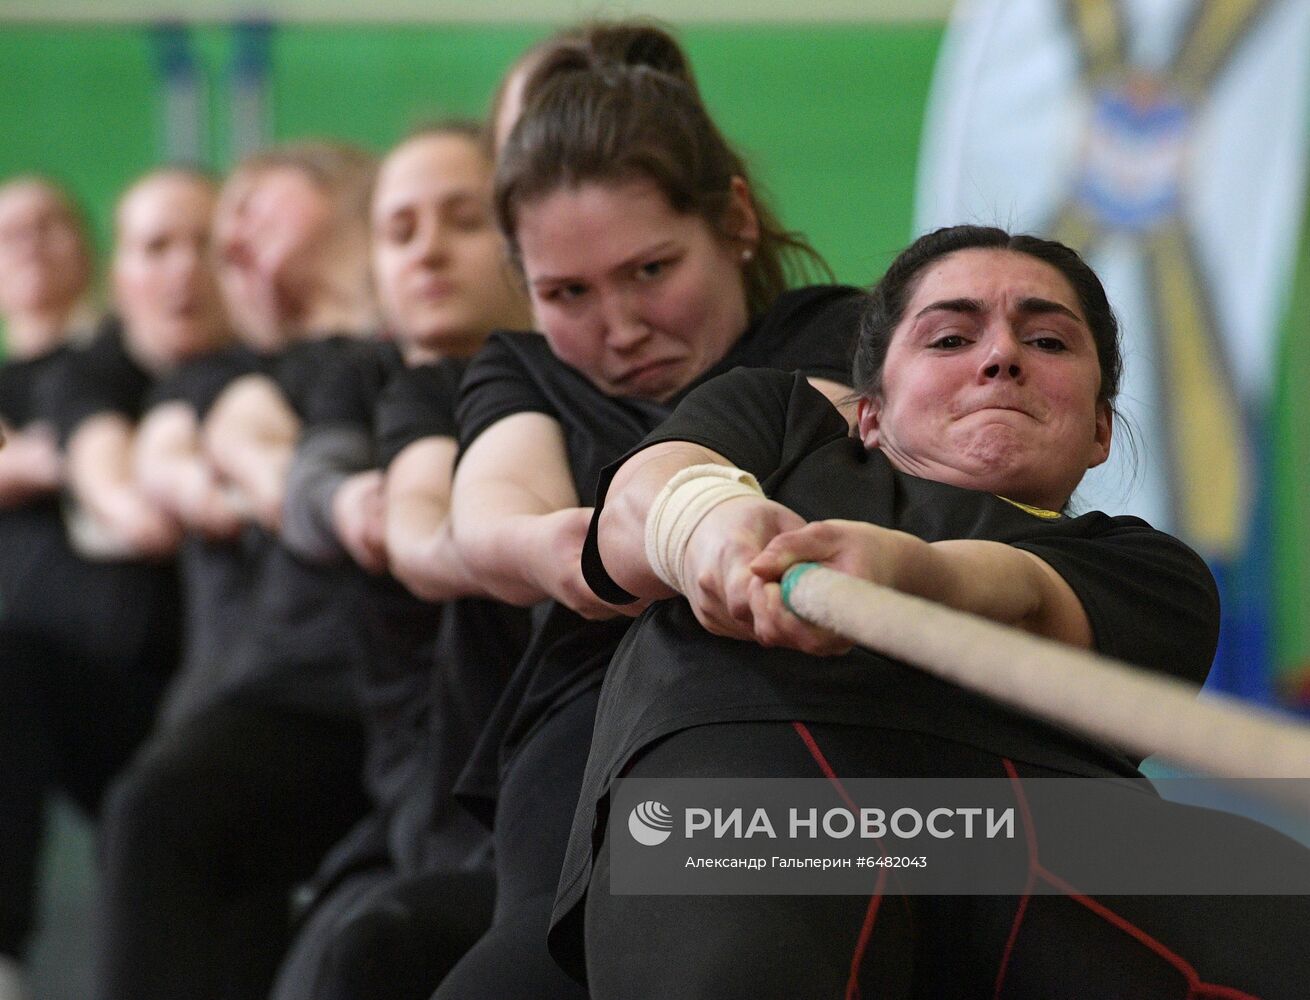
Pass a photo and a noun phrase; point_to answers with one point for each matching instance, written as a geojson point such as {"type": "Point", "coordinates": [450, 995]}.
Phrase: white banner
{"type": "Point", "coordinates": [1165, 139]}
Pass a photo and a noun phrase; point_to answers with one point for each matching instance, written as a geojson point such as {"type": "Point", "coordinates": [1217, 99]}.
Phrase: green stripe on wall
{"type": "Point", "coordinates": [1291, 485]}
{"type": "Point", "coordinates": [472, 11]}
{"type": "Point", "coordinates": [828, 116]}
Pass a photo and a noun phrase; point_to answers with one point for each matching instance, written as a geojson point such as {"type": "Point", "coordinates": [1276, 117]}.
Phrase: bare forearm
{"type": "Point", "coordinates": [990, 579]}
{"type": "Point", "coordinates": [169, 466]}
{"type": "Point", "coordinates": [424, 557]}
{"type": "Point", "coordinates": [421, 548]}
{"type": "Point", "coordinates": [628, 501]}
{"type": "Point", "coordinates": [258, 473]}
{"type": "Point", "coordinates": [502, 553]}
{"type": "Point", "coordinates": [30, 466]}
{"type": "Point", "coordinates": [100, 467]}
{"type": "Point", "coordinates": [250, 437]}
{"type": "Point", "coordinates": [516, 518]}
{"type": "Point", "coordinates": [101, 475]}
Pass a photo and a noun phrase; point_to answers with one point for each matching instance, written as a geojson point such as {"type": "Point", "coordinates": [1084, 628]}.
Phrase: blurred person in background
{"type": "Point", "coordinates": [257, 772]}
{"type": "Point", "coordinates": [82, 675]}
{"type": "Point", "coordinates": [399, 900]}
{"type": "Point", "coordinates": [47, 265]}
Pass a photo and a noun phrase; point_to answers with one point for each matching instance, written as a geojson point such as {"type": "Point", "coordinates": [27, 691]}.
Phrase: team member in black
{"type": "Point", "coordinates": [167, 298]}
{"type": "Point", "coordinates": [220, 555]}
{"type": "Point", "coordinates": [47, 263]}
{"type": "Point", "coordinates": [223, 812]}
{"type": "Point", "coordinates": [987, 367]}
{"type": "Point", "coordinates": [411, 887]}
{"type": "Point", "coordinates": [45, 270]}
{"type": "Point", "coordinates": [94, 625]}
{"type": "Point", "coordinates": [651, 265]}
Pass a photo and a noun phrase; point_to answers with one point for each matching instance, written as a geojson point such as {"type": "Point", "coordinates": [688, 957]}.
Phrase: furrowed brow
{"type": "Point", "coordinates": [1037, 307]}
{"type": "Point", "coordinates": [627, 264]}
{"type": "Point", "coordinates": [969, 306]}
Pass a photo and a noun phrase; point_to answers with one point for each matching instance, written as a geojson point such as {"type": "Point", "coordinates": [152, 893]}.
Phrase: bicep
{"type": "Point", "coordinates": [518, 465]}
{"type": "Point", "coordinates": [168, 432]}
{"type": "Point", "coordinates": [422, 473]}
{"type": "Point", "coordinates": [99, 451]}
{"type": "Point", "coordinates": [254, 410]}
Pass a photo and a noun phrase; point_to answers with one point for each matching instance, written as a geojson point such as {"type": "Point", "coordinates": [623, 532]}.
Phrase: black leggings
{"type": "Point", "coordinates": [943, 947]}
{"type": "Point", "coordinates": [204, 838]}
{"type": "Point", "coordinates": [380, 934]}
{"type": "Point", "coordinates": [534, 814]}
{"type": "Point", "coordinates": [70, 719]}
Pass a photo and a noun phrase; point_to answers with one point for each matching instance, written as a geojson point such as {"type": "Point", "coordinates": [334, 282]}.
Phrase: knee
{"type": "Point", "coordinates": [365, 947]}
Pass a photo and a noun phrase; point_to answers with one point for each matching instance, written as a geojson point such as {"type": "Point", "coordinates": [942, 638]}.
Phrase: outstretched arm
{"type": "Point", "coordinates": [250, 436]}
{"type": "Point", "coordinates": [990, 579]}
{"type": "Point", "coordinates": [734, 557]}
{"type": "Point", "coordinates": [119, 518]}
{"type": "Point", "coordinates": [420, 543]}
{"type": "Point", "coordinates": [516, 517]}
{"type": "Point", "coordinates": [174, 474]}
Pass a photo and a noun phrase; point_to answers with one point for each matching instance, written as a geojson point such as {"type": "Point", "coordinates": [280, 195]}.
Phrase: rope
{"type": "Point", "coordinates": [1107, 700]}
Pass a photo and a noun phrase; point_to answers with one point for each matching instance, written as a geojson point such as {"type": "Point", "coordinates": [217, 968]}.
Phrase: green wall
{"type": "Point", "coordinates": [829, 116]}
{"type": "Point", "coordinates": [1290, 448]}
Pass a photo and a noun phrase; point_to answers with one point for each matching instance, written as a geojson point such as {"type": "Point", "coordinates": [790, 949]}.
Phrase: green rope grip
{"type": "Point", "coordinates": [789, 579]}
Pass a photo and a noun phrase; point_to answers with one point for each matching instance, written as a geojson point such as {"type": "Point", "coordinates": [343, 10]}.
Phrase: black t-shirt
{"type": "Point", "coordinates": [199, 381]}
{"type": "Point", "coordinates": [21, 400]}
{"type": "Point", "coordinates": [28, 396]}
{"type": "Point", "coordinates": [218, 577]}
{"type": "Point", "coordinates": [428, 674]}
{"type": "Point", "coordinates": [124, 611]}
{"type": "Point", "coordinates": [434, 671]}
{"type": "Point", "coordinates": [418, 403]}
{"type": "Point", "coordinates": [811, 330]}
{"type": "Point", "coordinates": [347, 382]}
{"type": "Point", "coordinates": [31, 532]}
{"type": "Point", "coordinates": [1151, 601]}
{"type": "Point", "coordinates": [102, 377]}
{"type": "Point", "coordinates": [302, 648]}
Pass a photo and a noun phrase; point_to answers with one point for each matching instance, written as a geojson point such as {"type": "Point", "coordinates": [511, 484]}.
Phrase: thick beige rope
{"type": "Point", "coordinates": [1102, 698]}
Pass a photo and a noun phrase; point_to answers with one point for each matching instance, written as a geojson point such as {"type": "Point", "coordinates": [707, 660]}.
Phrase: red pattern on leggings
{"type": "Point", "coordinates": [880, 886]}
{"type": "Point", "coordinates": [1196, 988]}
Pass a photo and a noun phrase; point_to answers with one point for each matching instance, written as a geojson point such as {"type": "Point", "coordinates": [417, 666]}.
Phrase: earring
{"type": "Point", "coordinates": [746, 255]}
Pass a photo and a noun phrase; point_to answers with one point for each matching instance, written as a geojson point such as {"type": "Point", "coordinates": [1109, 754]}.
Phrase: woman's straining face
{"type": "Point", "coordinates": [991, 381]}
{"type": "Point", "coordinates": [640, 298]}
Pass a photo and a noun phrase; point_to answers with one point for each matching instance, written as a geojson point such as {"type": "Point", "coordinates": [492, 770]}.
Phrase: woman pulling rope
{"type": "Point", "coordinates": [986, 373]}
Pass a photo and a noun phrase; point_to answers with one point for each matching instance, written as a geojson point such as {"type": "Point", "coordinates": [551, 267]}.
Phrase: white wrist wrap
{"type": "Point", "coordinates": [681, 505]}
